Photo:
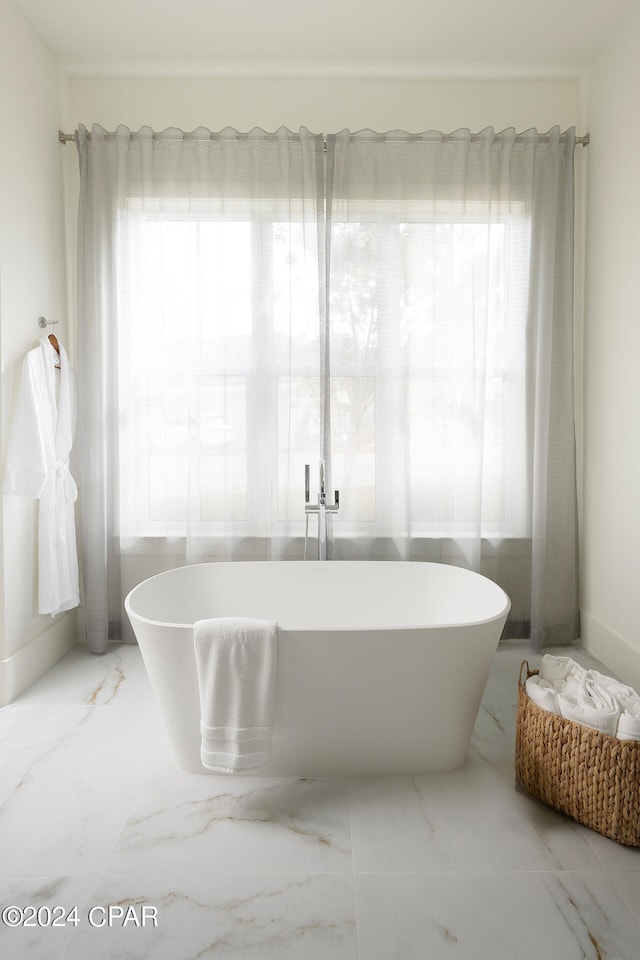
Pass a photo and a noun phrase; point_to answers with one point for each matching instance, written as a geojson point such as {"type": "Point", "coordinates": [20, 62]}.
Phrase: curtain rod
{"type": "Point", "coordinates": [584, 141]}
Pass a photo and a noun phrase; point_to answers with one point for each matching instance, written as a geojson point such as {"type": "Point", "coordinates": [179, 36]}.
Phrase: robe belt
{"type": "Point", "coordinates": [67, 487]}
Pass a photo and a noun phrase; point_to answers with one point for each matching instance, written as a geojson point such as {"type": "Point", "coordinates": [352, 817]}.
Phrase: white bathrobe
{"type": "Point", "coordinates": [37, 466]}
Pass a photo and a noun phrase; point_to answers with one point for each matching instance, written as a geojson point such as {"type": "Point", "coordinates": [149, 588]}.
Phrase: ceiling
{"type": "Point", "coordinates": [382, 35]}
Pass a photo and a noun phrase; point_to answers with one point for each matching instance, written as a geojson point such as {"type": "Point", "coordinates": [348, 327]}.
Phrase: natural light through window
{"type": "Point", "coordinates": [220, 380]}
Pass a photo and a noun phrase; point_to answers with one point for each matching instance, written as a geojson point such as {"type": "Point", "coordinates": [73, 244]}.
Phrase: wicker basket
{"type": "Point", "coordinates": [583, 773]}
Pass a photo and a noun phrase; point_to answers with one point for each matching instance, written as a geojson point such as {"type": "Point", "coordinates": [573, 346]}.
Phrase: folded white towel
{"type": "Point", "coordinates": [542, 693]}
{"type": "Point", "coordinates": [561, 670]}
{"type": "Point", "coordinates": [595, 707]}
{"type": "Point", "coordinates": [236, 661]}
{"type": "Point", "coordinates": [629, 722]}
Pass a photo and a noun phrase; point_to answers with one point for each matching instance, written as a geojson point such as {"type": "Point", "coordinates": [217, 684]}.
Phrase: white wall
{"type": "Point", "coordinates": [323, 104]}
{"type": "Point", "coordinates": [32, 283]}
{"type": "Point", "coordinates": [611, 581]}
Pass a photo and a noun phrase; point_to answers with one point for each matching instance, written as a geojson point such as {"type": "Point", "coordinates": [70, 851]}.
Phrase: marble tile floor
{"type": "Point", "coordinates": [119, 854]}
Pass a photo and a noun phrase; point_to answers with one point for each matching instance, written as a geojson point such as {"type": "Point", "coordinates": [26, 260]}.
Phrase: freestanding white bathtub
{"type": "Point", "coordinates": [381, 666]}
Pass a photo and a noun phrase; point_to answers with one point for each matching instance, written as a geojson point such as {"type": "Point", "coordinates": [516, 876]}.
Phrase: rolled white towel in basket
{"type": "Point", "coordinates": [561, 672]}
{"type": "Point", "coordinates": [621, 691]}
{"type": "Point", "coordinates": [543, 693]}
{"type": "Point", "coordinates": [236, 660]}
{"type": "Point", "coordinates": [588, 697]}
{"type": "Point", "coordinates": [629, 701]}
{"type": "Point", "coordinates": [595, 707]}
{"type": "Point", "coordinates": [629, 722]}
{"type": "Point", "coordinates": [556, 675]}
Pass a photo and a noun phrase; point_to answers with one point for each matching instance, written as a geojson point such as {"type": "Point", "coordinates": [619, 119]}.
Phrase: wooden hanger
{"type": "Point", "coordinates": [53, 340]}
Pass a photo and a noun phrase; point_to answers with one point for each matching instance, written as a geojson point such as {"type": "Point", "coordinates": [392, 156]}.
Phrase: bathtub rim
{"type": "Point", "coordinates": [305, 628]}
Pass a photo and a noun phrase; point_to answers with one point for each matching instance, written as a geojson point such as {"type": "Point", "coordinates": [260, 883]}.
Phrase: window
{"type": "Point", "coordinates": [220, 381]}
{"type": "Point", "coordinates": [214, 358]}
{"type": "Point", "coordinates": [437, 344]}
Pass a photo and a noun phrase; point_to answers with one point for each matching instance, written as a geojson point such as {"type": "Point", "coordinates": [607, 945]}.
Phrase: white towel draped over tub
{"type": "Point", "coordinates": [236, 662]}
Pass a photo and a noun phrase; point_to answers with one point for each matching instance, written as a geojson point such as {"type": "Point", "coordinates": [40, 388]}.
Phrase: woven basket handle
{"type": "Point", "coordinates": [525, 663]}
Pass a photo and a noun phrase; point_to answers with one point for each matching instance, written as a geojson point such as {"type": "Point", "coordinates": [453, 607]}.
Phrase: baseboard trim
{"type": "Point", "coordinates": [30, 662]}
{"type": "Point", "coordinates": [616, 653]}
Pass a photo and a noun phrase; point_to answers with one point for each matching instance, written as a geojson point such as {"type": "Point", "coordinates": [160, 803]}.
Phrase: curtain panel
{"type": "Point", "coordinates": [400, 305]}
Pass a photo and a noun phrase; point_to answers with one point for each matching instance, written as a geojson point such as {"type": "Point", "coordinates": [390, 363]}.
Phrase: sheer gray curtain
{"type": "Point", "coordinates": [399, 304]}
{"type": "Point", "coordinates": [201, 306]}
{"type": "Point", "coordinates": [451, 324]}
